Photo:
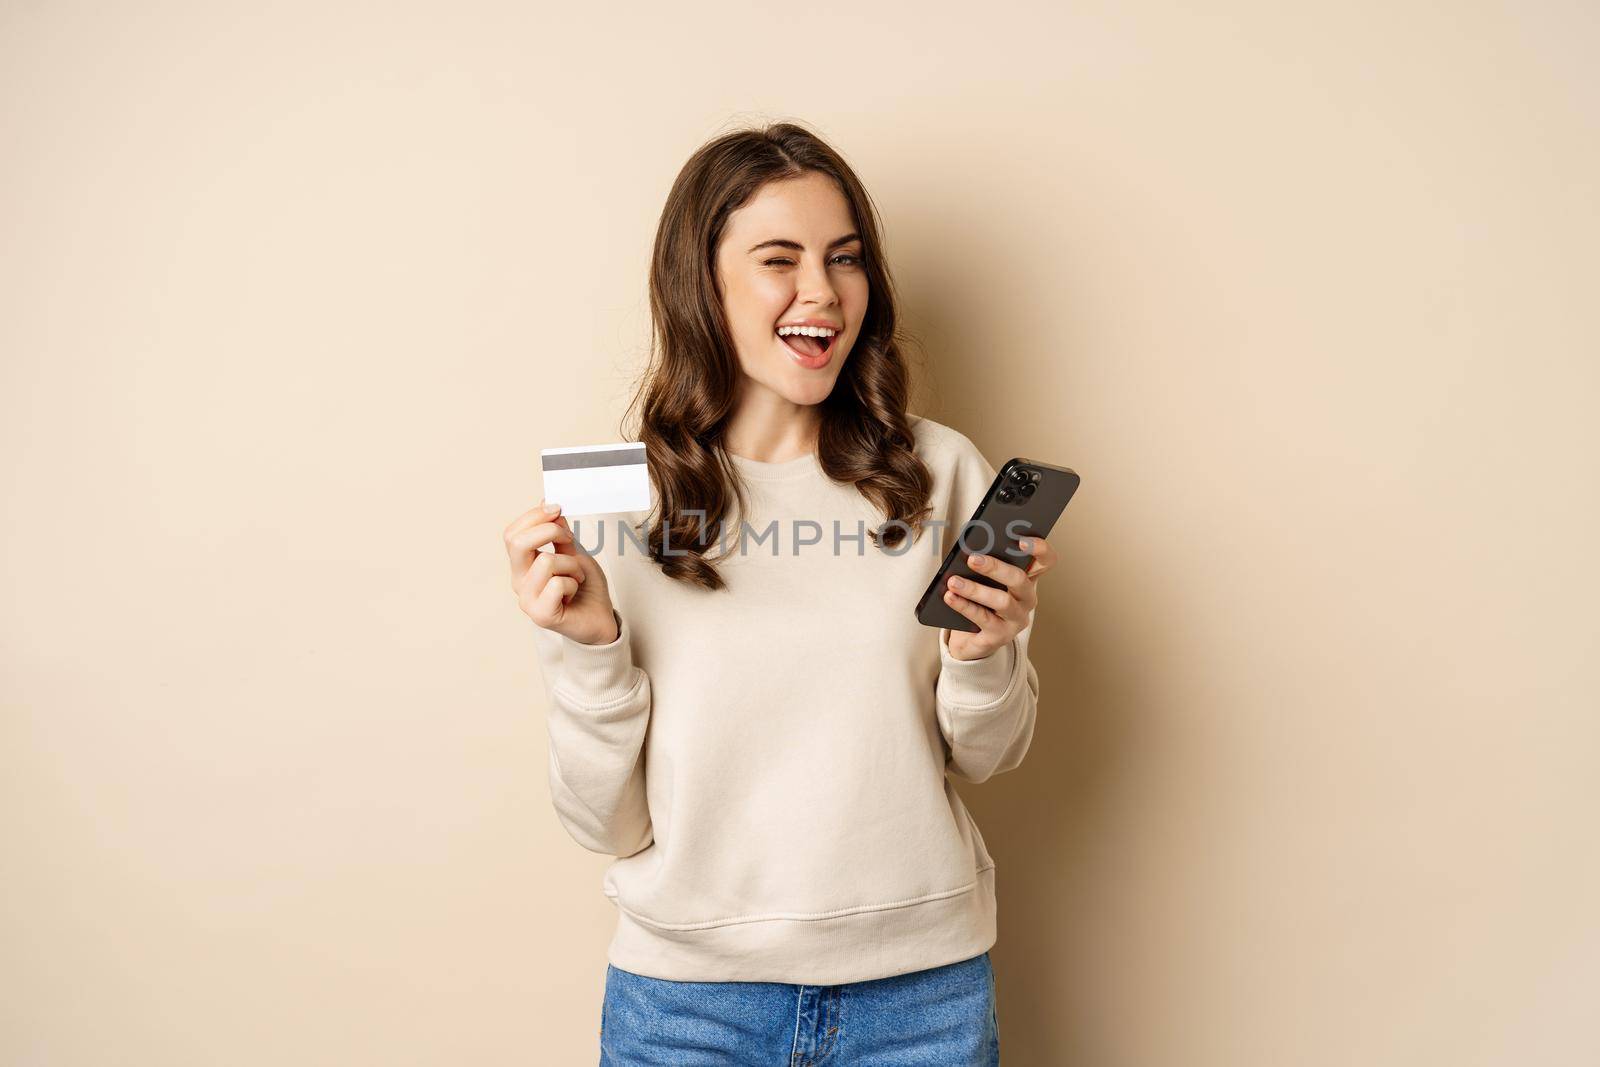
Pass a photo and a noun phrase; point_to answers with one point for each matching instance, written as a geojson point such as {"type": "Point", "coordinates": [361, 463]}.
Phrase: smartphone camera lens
{"type": "Point", "coordinates": [1027, 490]}
{"type": "Point", "coordinates": [1018, 474]}
{"type": "Point", "coordinates": [1006, 494]}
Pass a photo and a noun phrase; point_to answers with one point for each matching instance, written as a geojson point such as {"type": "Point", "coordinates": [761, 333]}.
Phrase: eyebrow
{"type": "Point", "coordinates": [783, 242]}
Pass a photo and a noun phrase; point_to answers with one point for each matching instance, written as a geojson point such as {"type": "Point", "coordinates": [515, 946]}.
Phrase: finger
{"type": "Point", "coordinates": [999, 601]}
{"type": "Point", "coordinates": [570, 544]}
{"type": "Point", "coordinates": [573, 547]}
{"type": "Point", "coordinates": [535, 514]}
{"type": "Point", "coordinates": [987, 620]}
{"type": "Point", "coordinates": [1044, 556]}
{"type": "Point", "coordinates": [1008, 574]}
{"type": "Point", "coordinates": [529, 519]}
{"type": "Point", "coordinates": [548, 563]}
{"type": "Point", "coordinates": [522, 544]}
{"type": "Point", "coordinates": [548, 607]}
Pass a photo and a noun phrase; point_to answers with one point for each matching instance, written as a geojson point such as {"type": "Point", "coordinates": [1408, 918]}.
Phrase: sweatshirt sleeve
{"type": "Point", "coordinates": [986, 707]}
{"type": "Point", "coordinates": [599, 709]}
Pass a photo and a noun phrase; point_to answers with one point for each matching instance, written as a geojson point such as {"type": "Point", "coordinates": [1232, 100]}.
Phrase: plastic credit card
{"type": "Point", "coordinates": [597, 479]}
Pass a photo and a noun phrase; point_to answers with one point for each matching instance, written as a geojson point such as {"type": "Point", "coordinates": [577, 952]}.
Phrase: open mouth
{"type": "Point", "coordinates": [808, 345]}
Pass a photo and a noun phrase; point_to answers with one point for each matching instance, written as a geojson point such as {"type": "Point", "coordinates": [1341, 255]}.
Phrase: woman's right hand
{"type": "Point", "coordinates": [564, 590]}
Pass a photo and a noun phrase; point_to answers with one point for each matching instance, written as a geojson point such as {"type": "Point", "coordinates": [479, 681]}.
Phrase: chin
{"type": "Point", "coordinates": [809, 394]}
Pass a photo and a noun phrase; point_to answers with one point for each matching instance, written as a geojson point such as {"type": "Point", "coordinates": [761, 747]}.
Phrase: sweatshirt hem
{"type": "Point", "coordinates": [854, 945]}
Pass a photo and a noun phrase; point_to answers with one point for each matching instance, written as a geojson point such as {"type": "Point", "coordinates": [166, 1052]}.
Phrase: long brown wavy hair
{"type": "Point", "coordinates": [688, 389]}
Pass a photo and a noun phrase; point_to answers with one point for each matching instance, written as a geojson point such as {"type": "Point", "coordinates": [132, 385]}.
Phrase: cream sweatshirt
{"type": "Point", "coordinates": [770, 763]}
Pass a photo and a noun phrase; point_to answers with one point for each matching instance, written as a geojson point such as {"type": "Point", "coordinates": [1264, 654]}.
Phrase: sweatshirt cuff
{"type": "Point", "coordinates": [597, 675]}
{"type": "Point", "coordinates": [975, 683]}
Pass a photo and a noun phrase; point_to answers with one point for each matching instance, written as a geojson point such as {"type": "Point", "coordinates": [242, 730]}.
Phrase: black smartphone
{"type": "Point", "coordinates": [1026, 497]}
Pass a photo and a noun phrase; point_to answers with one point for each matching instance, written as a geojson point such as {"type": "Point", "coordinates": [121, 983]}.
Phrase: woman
{"type": "Point", "coordinates": [762, 736]}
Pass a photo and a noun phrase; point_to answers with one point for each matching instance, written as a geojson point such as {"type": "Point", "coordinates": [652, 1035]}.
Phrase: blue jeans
{"type": "Point", "coordinates": [943, 1015]}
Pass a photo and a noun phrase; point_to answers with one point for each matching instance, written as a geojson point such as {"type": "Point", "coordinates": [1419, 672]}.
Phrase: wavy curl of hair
{"type": "Point", "coordinates": [688, 390]}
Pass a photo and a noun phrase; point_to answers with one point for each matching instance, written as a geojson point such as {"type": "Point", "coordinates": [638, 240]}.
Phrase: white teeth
{"type": "Point", "coordinates": [809, 331]}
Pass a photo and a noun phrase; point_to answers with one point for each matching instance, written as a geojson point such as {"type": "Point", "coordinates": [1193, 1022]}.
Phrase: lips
{"type": "Point", "coordinates": [807, 345]}
{"type": "Point", "coordinates": [810, 352]}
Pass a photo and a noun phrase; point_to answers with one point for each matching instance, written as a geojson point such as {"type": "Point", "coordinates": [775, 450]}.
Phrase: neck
{"type": "Point", "coordinates": [771, 429]}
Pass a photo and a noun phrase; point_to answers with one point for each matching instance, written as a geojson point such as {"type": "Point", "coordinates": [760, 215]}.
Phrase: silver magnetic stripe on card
{"type": "Point", "coordinates": [615, 457]}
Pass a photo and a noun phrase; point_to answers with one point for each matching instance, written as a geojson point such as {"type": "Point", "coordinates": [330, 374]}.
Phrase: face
{"type": "Point", "coordinates": [781, 261]}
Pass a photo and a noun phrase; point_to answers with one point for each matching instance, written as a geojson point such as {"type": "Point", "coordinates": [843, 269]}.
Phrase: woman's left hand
{"type": "Point", "coordinates": [1001, 614]}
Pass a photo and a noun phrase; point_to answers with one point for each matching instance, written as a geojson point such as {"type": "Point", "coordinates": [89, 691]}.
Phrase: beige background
{"type": "Point", "coordinates": [295, 293]}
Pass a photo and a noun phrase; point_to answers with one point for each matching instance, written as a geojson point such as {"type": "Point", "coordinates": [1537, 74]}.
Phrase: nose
{"type": "Point", "coordinates": [814, 286]}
